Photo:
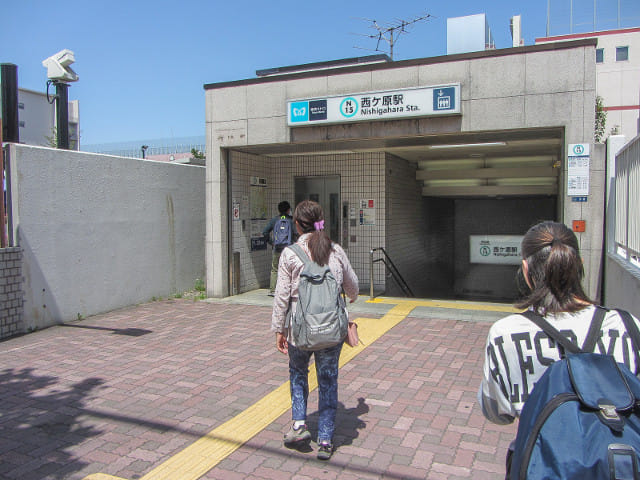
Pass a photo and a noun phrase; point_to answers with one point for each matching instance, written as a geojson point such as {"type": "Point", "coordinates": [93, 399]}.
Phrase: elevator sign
{"type": "Point", "coordinates": [385, 105]}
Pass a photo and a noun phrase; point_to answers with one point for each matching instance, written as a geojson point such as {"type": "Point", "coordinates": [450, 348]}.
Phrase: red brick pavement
{"type": "Point", "coordinates": [120, 393]}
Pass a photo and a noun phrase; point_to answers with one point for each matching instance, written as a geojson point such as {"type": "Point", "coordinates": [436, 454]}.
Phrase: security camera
{"type": "Point", "coordinates": [58, 68]}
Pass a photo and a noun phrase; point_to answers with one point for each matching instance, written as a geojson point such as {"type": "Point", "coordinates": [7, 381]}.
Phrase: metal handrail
{"type": "Point", "coordinates": [392, 268]}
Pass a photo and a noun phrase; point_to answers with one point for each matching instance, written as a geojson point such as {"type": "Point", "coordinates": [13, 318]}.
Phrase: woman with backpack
{"type": "Point", "coordinates": [309, 221]}
{"type": "Point", "coordinates": [518, 351]}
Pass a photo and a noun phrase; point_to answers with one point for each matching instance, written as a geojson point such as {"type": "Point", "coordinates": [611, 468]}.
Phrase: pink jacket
{"type": "Point", "coordinates": [289, 275]}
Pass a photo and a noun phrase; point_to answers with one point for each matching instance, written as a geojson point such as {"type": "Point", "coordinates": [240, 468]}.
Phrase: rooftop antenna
{"type": "Point", "coordinates": [389, 32]}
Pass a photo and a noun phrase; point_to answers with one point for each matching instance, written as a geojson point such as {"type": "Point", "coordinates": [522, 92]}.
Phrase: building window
{"type": "Point", "coordinates": [599, 55]}
{"type": "Point", "coordinates": [622, 54]}
{"type": "Point", "coordinates": [21, 123]}
{"type": "Point", "coordinates": [20, 106]}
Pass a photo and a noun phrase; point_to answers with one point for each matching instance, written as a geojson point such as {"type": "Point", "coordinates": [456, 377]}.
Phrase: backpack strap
{"type": "Point", "coordinates": [594, 329]}
{"type": "Point", "coordinates": [299, 251]}
{"type": "Point", "coordinates": [551, 331]}
{"type": "Point", "coordinates": [295, 248]}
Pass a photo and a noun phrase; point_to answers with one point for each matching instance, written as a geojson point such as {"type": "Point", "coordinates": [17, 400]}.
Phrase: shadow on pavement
{"type": "Point", "coordinates": [131, 332]}
{"type": "Point", "coordinates": [38, 422]}
{"type": "Point", "coordinates": [348, 423]}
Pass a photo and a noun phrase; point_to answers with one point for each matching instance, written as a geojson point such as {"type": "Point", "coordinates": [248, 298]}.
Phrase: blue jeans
{"type": "Point", "coordinates": [327, 371]}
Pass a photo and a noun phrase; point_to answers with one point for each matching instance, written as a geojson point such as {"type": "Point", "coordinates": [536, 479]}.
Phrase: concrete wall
{"type": "Point", "coordinates": [622, 285]}
{"type": "Point", "coordinates": [11, 295]}
{"type": "Point", "coordinates": [100, 232]}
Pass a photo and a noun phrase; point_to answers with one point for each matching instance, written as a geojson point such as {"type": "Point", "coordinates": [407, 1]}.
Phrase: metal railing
{"type": "Point", "coordinates": [627, 203]}
{"type": "Point", "coordinates": [391, 268]}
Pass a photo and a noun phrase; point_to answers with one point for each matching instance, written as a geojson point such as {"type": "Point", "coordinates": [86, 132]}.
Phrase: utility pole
{"type": "Point", "coordinates": [390, 32]}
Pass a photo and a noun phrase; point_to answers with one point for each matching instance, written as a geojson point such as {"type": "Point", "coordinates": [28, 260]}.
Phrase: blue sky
{"type": "Point", "coordinates": [142, 64]}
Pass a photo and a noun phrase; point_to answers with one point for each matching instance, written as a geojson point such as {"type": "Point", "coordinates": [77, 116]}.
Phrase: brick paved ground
{"type": "Point", "coordinates": [120, 393]}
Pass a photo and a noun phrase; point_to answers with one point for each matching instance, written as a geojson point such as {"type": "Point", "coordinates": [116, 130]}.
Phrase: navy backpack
{"type": "Point", "coordinates": [581, 420]}
{"type": "Point", "coordinates": [282, 233]}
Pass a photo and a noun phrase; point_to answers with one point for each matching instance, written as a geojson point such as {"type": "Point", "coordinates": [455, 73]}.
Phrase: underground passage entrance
{"type": "Point", "coordinates": [457, 226]}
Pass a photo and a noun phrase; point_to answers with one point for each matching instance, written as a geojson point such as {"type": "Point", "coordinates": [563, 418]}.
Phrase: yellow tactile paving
{"type": "Point", "coordinates": [485, 307]}
{"type": "Point", "coordinates": [206, 452]}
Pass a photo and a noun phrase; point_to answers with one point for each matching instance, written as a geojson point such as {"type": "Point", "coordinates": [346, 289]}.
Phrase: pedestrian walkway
{"type": "Point", "coordinates": [179, 389]}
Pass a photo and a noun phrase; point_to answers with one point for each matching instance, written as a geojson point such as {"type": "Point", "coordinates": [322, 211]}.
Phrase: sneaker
{"type": "Point", "coordinates": [301, 434]}
{"type": "Point", "coordinates": [272, 294]}
{"type": "Point", "coordinates": [325, 450]}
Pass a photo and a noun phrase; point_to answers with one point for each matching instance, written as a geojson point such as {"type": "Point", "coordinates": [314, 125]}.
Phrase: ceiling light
{"type": "Point", "coordinates": [469, 145]}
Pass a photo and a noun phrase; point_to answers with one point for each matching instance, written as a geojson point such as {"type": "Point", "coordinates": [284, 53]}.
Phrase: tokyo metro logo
{"type": "Point", "coordinates": [299, 112]}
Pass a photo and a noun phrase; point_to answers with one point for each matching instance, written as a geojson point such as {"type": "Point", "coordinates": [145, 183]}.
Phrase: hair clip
{"type": "Point", "coordinates": [319, 225]}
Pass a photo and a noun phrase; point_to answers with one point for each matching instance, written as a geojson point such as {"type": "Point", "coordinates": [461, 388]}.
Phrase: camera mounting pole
{"type": "Point", "coordinates": [62, 115]}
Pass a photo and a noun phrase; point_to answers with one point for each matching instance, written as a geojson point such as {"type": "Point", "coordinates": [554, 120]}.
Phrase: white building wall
{"type": "Point", "coordinates": [37, 119]}
{"type": "Point", "coordinates": [616, 81]}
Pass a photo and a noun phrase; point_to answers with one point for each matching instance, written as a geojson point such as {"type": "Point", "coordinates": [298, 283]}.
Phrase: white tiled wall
{"type": "Point", "coordinates": [254, 266]}
{"type": "Point", "coordinates": [362, 177]}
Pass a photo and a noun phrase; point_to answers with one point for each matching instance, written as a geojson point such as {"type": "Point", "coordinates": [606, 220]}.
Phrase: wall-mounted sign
{"type": "Point", "coordinates": [412, 102]}
{"type": "Point", "coordinates": [367, 216]}
{"type": "Point", "coordinates": [495, 249]}
{"type": "Point", "coordinates": [578, 170]}
{"type": "Point", "coordinates": [258, 202]}
{"type": "Point", "coordinates": [258, 242]}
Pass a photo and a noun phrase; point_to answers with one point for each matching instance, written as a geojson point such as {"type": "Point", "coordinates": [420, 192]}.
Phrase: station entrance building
{"type": "Point", "coordinates": [444, 162]}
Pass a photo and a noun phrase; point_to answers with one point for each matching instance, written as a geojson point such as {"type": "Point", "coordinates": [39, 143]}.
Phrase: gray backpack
{"type": "Point", "coordinates": [320, 320]}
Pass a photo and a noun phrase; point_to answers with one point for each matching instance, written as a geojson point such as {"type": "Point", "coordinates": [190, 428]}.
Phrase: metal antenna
{"type": "Point", "coordinates": [389, 32]}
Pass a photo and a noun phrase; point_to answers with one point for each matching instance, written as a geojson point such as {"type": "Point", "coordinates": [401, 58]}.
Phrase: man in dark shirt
{"type": "Point", "coordinates": [278, 240]}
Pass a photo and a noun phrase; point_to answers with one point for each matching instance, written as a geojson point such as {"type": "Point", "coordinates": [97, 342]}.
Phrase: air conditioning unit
{"type": "Point", "coordinates": [257, 181]}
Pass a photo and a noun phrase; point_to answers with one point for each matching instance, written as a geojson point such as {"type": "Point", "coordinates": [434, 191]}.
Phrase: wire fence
{"type": "Point", "coordinates": [134, 149]}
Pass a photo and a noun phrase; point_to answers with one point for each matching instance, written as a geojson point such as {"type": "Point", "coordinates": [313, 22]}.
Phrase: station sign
{"type": "Point", "coordinates": [383, 105]}
{"type": "Point", "coordinates": [495, 249]}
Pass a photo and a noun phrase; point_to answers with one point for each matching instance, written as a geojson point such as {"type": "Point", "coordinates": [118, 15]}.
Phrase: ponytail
{"type": "Point", "coordinates": [309, 216]}
{"type": "Point", "coordinates": [555, 270]}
